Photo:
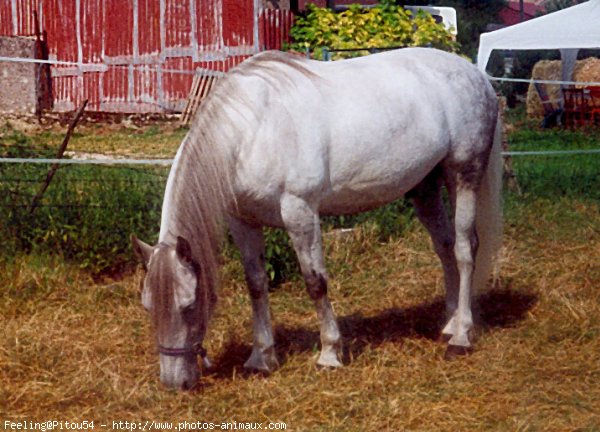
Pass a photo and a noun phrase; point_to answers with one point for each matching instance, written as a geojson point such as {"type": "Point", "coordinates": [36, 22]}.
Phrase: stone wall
{"type": "Point", "coordinates": [24, 87]}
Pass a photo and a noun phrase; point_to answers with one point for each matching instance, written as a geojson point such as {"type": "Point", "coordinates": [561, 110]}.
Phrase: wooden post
{"type": "Point", "coordinates": [59, 155]}
{"type": "Point", "coordinates": [521, 11]}
{"type": "Point", "coordinates": [508, 172]}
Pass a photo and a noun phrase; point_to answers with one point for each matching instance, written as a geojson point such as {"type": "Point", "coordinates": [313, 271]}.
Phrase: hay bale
{"type": "Point", "coordinates": [543, 70]}
{"type": "Point", "coordinates": [587, 70]}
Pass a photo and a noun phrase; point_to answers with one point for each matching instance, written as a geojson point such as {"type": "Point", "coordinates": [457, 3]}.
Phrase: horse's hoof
{"type": "Point", "coordinates": [329, 359]}
{"type": "Point", "coordinates": [263, 362]}
{"type": "Point", "coordinates": [330, 364]}
{"type": "Point", "coordinates": [454, 351]}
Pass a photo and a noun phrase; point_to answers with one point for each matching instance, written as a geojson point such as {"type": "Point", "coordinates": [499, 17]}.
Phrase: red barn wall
{"type": "Point", "coordinates": [140, 55]}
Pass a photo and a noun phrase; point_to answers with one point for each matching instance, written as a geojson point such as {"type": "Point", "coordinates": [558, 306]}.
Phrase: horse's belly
{"type": "Point", "coordinates": [350, 201]}
{"type": "Point", "coordinates": [374, 164]}
{"type": "Point", "coordinates": [367, 190]}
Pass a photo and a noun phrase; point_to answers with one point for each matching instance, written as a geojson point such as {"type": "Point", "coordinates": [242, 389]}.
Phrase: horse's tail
{"type": "Point", "coordinates": [489, 215]}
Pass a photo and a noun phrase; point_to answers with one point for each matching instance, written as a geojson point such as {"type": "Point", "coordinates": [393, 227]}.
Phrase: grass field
{"type": "Point", "coordinates": [74, 349]}
{"type": "Point", "coordinates": [157, 140]}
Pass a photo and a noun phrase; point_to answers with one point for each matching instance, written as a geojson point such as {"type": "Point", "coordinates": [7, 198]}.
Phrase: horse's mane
{"type": "Point", "coordinates": [202, 189]}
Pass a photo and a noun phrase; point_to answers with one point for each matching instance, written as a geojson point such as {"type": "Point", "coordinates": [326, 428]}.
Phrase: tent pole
{"type": "Point", "coordinates": [521, 11]}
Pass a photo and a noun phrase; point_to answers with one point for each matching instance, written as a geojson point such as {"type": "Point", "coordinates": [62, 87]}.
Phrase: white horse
{"type": "Point", "coordinates": [283, 140]}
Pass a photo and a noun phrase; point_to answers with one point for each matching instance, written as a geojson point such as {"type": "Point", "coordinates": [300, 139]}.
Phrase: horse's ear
{"type": "Point", "coordinates": [184, 250]}
{"type": "Point", "coordinates": [142, 251]}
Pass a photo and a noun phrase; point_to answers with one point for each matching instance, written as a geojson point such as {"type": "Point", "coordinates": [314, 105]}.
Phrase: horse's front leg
{"type": "Point", "coordinates": [250, 241]}
{"type": "Point", "coordinates": [303, 226]}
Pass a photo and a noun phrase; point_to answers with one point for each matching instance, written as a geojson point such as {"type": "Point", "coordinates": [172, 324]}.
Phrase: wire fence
{"type": "Point", "coordinates": [85, 215]}
{"type": "Point", "coordinates": [23, 167]}
{"type": "Point", "coordinates": [79, 183]}
{"type": "Point", "coordinates": [92, 206]}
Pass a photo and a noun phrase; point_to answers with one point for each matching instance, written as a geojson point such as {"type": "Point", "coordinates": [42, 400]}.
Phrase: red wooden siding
{"type": "Point", "coordinates": [148, 27]}
{"type": "Point", "coordinates": [238, 23]}
{"type": "Point", "coordinates": [140, 55]}
{"type": "Point", "coordinates": [274, 28]}
{"type": "Point", "coordinates": [16, 16]}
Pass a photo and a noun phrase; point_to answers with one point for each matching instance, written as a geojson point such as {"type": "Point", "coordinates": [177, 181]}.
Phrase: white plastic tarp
{"type": "Point", "coordinates": [572, 28]}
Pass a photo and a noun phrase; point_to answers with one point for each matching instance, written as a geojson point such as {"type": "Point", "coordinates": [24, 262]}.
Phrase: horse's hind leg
{"type": "Point", "coordinates": [250, 241]}
{"type": "Point", "coordinates": [465, 251]}
{"type": "Point", "coordinates": [429, 207]}
{"type": "Point", "coordinates": [302, 224]}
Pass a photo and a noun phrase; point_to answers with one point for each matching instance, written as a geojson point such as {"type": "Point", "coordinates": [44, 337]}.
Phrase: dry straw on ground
{"type": "Point", "coordinates": [74, 350]}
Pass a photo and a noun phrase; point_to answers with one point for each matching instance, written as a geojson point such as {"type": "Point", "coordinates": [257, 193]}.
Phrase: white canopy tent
{"type": "Point", "coordinates": [567, 30]}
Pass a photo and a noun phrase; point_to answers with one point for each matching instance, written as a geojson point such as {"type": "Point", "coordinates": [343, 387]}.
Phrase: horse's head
{"type": "Point", "coordinates": [170, 295]}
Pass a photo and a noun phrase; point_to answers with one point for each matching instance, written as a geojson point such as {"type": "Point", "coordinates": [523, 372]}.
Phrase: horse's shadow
{"type": "Point", "coordinates": [498, 308]}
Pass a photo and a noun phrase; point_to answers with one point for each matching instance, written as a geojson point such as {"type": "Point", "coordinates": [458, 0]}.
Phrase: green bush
{"type": "Point", "coordinates": [281, 262]}
{"type": "Point", "coordinates": [387, 222]}
{"type": "Point", "coordinates": [386, 25]}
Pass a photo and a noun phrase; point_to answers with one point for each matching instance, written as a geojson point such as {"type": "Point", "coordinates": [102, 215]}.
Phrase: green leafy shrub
{"type": "Point", "coordinates": [281, 262]}
{"type": "Point", "coordinates": [385, 25]}
{"type": "Point", "coordinates": [385, 223]}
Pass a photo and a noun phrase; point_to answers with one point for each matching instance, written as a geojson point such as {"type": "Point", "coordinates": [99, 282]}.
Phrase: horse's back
{"type": "Point", "coordinates": [424, 92]}
{"type": "Point", "coordinates": [355, 134]}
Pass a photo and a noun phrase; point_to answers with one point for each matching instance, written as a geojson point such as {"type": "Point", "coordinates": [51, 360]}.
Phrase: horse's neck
{"type": "Point", "coordinates": [221, 199]}
{"type": "Point", "coordinates": [166, 220]}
